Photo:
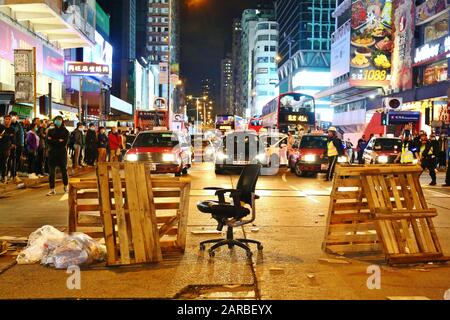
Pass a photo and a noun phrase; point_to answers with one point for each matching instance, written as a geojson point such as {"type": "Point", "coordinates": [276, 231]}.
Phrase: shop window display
{"type": "Point", "coordinates": [435, 73]}
{"type": "Point", "coordinates": [436, 29]}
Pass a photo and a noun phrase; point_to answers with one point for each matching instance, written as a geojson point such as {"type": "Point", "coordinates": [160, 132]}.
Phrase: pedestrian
{"type": "Point", "coordinates": [57, 139]}
{"type": "Point", "coordinates": [91, 145]}
{"type": "Point", "coordinates": [349, 147]}
{"type": "Point", "coordinates": [115, 142]}
{"type": "Point", "coordinates": [409, 153]}
{"type": "Point", "coordinates": [102, 144]}
{"type": "Point", "coordinates": [427, 154]}
{"type": "Point", "coordinates": [78, 145]}
{"type": "Point", "coordinates": [290, 139]}
{"type": "Point", "coordinates": [361, 145]}
{"type": "Point", "coordinates": [7, 135]}
{"type": "Point", "coordinates": [443, 147]}
{"type": "Point", "coordinates": [334, 150]}
{"type": "Point", "coordinates": [15, 157]}
{"type": "Point", "coordinates": [32, 147]}
{"type": "Point", "coordinates": [40, 160]}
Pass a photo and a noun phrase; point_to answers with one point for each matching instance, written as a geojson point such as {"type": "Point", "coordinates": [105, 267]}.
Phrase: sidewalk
{"type": "Point", "coordinates": [28, 183]}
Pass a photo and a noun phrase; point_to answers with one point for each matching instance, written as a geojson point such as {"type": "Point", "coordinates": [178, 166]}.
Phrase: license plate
{"type": "Point", "coordinates": [239, 163]}
{"type": "Point", "coordinates": [324, 167]}
{"type": "Point", "coordinates": [152, 167]}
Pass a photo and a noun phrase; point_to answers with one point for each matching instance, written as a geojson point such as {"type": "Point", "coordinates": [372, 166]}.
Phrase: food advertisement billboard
{"type": "Point", "coordinates": [371, 43]}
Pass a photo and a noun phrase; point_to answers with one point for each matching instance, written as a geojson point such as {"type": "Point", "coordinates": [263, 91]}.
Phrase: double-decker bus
{"type": "Point", "coordinates": [227, 122]}
{"type": "Point", "coordinates": [290, 111]}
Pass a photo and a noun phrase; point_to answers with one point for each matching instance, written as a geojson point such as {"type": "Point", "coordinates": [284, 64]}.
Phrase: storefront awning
{"type": "Point", "coordinates": [48, 19]}
{"type": "Point", "coordinates": [345, 93]}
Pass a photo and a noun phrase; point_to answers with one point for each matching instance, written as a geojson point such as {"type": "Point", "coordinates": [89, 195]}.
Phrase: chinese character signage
{"type": "Point", "coordinates": [83, 68]}
{"type": "Point", "coordinates": [403, 117]}
{"type": "Point", "coordinates": [371, 43]}
{"type": "Point", "coordinates": [24, 68]}
{"type": "Point", "coordinates": [402, 78]}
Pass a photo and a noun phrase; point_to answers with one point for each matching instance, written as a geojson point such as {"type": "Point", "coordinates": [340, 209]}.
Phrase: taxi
{"type": "Point", "coordinates": [308, 155]}
{"type": "Point", "coordinates": [382, 150]}
{"type": "Point", "coordinates": [165, 151]}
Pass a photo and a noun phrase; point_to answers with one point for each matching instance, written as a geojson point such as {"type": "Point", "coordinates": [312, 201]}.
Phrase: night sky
{"type": "Point", "coordinates": [206, 33]}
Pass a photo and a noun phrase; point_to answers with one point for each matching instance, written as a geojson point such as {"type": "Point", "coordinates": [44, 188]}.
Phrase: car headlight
{"type": "Point", "coordinates": [261, 157]}
{"type": "Point", "coordinates": [221, 156]}
{"type": "Point", "coordinates": [382, 159]}
{"type": "Point", "coordinates": [131, 157]}
{"type": "Point", "coordinates": [168, 157]}
{"type": "Point", "coordinates": [310, 158]}
{"type": "Point", "coordinates": [342, 159]}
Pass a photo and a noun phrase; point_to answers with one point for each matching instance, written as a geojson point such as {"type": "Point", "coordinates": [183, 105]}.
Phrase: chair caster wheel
{"type": "Point", "coordinates": [202, 247]}
{"type": "Point", "coordinates": [211, 254]}
{"type": "Point", "coordinates": [260, 247]}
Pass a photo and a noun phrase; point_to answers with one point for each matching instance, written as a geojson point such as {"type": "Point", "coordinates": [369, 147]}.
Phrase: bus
{"type": "Point", "coordinates": [290, 111]}
{"type": "Point", "coordinates": [255, 123]}
{"type": "Point", "coordinates": [148, 120]}
{"type": "Point", "coordinates": [227, 122]}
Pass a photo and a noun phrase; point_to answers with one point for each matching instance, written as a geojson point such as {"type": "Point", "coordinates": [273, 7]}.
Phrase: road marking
{"type": "Point", "coordinates": [65, 197]}
{"type": "Point", "coordinates": [284, 178]}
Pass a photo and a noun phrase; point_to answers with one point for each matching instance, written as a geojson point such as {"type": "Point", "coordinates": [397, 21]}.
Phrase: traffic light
{"type": "Point", "coordinates": [428, 116]}
{"type": "Point", "coordinates": [384, 119]}
{"type": "Point", "coordinates": [44, 105]}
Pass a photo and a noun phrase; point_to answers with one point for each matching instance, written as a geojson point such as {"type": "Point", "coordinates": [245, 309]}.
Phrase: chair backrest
{"type": "Point", "coordinates": [247, 182]}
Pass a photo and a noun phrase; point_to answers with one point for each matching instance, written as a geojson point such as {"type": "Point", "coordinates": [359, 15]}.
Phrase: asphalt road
{"type": "Point", "coordinates": [291, 217]}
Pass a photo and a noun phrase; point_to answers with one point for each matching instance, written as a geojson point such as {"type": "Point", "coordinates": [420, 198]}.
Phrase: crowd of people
{"type": "Point", "coordinates": [40, 146]}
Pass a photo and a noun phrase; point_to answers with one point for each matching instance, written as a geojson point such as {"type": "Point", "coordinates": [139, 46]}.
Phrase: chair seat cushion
{"type": "Point", "coordinates": [224, 210]}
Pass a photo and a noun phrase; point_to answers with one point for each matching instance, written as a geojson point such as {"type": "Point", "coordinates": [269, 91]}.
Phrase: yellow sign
{"type": "Point", "coordinates": [297, 118]}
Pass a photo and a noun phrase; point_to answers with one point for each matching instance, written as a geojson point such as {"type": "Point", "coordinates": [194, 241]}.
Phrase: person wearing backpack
{"type": "Point", "coordinates": [335, 149]}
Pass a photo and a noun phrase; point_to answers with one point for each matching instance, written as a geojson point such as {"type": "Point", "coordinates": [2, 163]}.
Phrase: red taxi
{"type": "Point", "coordinates": [166, 151]}
{"type": "Point", "coordinates": [308, 155]}
{"type": "Point", "coordinates": [382, 150]}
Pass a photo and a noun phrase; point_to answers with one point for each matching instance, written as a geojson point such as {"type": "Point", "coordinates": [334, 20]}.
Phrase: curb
{"type": "Point", "coordinates": [27, 183]}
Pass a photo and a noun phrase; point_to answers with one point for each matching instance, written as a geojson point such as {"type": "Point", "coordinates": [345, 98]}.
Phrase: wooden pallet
{"type": "Point", "coordinates": [405, 224]}
{"type": "Point", "coordinates": [170, 200]}
{"type": "Point", "coordinates": [372, 210]}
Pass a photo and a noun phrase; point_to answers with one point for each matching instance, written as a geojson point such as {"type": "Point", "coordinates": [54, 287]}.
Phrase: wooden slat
{"type": "Point", "coordinates": [184, 210]}
{"type": "Point", "coordinates": [73, 216]}
{"type": "Point", "coordinates": [360, 227]}
{"type": "Point", "coordinates": [167, 194]}
{"type": "Point", "coordinates": [135, 219]}
{"type": "Point", "coordinates": [352, 238]}
{"type": "Point", "coordinates": [88, 207]}
{"type": "Point", "coordinates": [355, 248]}
{"type": "Point", "coordinates": [120, 216]}
{"type": "Point", "coordinates": [167, 206]}
{"type": "Point", "coordinates": [105, 202]}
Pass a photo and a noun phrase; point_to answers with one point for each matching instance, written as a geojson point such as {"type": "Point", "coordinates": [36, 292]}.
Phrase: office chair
{"type": "Point", "coordinates": [232, 214]}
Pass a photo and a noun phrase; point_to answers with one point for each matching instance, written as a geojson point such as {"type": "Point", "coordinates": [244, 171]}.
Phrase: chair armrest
{"type": "Point", "coordinates": [235, 194]}
{"type": "Point", "coordinates": [212, 188]}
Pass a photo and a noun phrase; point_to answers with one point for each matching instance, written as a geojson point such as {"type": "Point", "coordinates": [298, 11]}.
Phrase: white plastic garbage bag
{"type": "Point", "coordinates": [76, 249]}
{"type": "Point", "coordinates": [53, 247]}
{"type": "Point", "coordinates": [36, 246]}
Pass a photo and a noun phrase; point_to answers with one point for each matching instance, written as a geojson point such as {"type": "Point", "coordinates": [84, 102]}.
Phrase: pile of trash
{"type": "Point", "coordinates": [51, 247]}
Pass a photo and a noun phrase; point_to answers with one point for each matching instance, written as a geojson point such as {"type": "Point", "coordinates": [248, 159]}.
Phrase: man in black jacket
{"type": "Point", "coordinates": [334, 151]}
{"type": "Point", "coordinates": [17, 147]}
{"type": "Point", "coordinates": [91, 145]}
{"type": "Point", "coordinates": [7, 135]}
{"type": "Point", "coordinates": [57, 140]}
{"type": "Point", "coordinates": [428, 156]}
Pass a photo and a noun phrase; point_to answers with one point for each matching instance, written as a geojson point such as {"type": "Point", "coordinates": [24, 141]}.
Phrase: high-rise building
{"type": "Point", "coordinates": [305, 29]}
{"type": "Point", "coordinates": [237, 69]}
{"type": "Point", "coordinates": [251, 19]}
{"type": "Point", "coordinates": [226, 87]}
{"type": "Point", "coordinates": [123, 40]}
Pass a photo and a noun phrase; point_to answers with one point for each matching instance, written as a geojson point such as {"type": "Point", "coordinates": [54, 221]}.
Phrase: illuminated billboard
{"type": "Point", "coordinates": [101, 53]}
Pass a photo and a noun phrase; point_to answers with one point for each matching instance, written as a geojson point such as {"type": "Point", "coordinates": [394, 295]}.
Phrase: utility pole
{"type": "Point", "coordinates": [80, 100]}
{"type": "Point", "coordinates": [50, 100]}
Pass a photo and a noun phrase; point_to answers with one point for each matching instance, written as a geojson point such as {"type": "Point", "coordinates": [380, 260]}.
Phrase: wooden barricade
{"type": "Point", "coordinates": [374, 208]}
{"type": "Point", "coordinates": [169, 200]}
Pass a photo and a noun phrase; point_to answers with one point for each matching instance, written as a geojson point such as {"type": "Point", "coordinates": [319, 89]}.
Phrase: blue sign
{"type": "Point", "coordinates": [403, 117]}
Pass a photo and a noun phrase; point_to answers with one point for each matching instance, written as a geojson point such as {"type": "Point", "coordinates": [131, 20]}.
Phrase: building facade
{"type": "Point", "coordinates": [250, 19]}
{"type": "Point", "coordinates": [226, 87]}
{"type": "Point", "coordinates": [305, 29]}
{"type": "Point", "coordinates": [237, 107]}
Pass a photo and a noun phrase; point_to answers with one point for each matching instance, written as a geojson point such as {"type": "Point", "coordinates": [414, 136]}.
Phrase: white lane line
{"type": "Point", "coordinates": [65, 197]}
{"type": "Point", "coordinates": [284, 178]}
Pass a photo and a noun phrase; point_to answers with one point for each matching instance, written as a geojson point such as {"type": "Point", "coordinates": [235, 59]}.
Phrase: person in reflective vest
{"type": "Point", "coordinates": [334, 150]}
{"type": "Point", "coordinates": [409, 151]}
{"type": "Point", "coordinates": [428, 156]}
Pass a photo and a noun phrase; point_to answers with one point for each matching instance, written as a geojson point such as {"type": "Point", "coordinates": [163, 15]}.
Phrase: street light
{"type": "Point", "coordinates": [204, 98]}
